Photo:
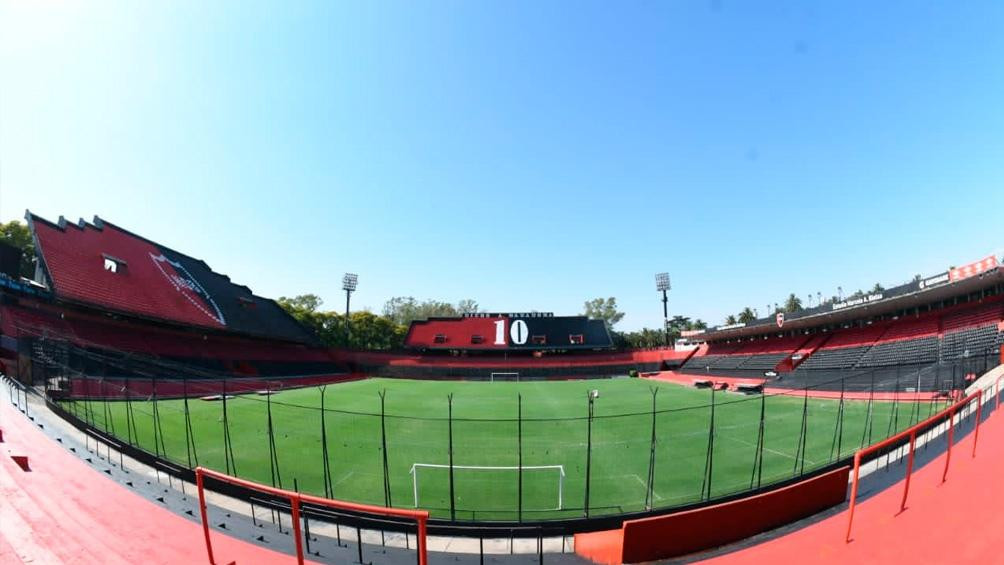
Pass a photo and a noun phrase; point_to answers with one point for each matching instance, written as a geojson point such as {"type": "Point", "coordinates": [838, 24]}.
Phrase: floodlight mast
{"type": "Point", "coordinates": [662, 285]}
{"type": "Point", "coordinates": [349, 283]}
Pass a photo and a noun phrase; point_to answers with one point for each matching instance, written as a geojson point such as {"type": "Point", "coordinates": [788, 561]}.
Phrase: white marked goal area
{"type": "Point", "coordinates": [484, 487]}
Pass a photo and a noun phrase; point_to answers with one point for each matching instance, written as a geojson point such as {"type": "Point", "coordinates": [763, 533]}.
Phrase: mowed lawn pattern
{"type": "Point", "coordinates": [485, 433]}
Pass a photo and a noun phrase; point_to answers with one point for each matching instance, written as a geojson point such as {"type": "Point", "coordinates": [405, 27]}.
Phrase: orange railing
{"type": "Point", "coordinates": [420, 517]}
{"type": "Point", "coordinates": [911, 433]}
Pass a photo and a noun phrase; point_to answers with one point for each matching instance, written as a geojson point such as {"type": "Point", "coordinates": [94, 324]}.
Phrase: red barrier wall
{"type": "Point", "coordinates": [673, 535]}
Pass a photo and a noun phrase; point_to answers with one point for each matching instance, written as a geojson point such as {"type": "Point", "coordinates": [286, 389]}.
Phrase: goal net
{"type": "Point", "coordinates": [505, 377]}
{"type": "Point", "coordinates": [491, 486]}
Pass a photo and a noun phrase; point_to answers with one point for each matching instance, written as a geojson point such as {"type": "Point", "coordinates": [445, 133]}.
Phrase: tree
{"type": "Point", "coordinates": [877, 288]}
{"type": "Point", "coordinates": [730, 319]}
{"type": "Point", "coordinates": [369, 331]}
{"type": "Point", "coordinates": [747, 315]}
{"type": "Point", "coordinates": [468, 306]}
{"type": "Point", "coordinates": [16, 234]}
{"type": "Point", "coordinates": [405, 309]}
{"type": "Point", "coordinates": [603, 309]}
{"type": "Point", "coordinates": [698, 324]}
{"type": "Point", "coordinates": [792, 304]}
{"type": "Point", "coordinates": [304, 303]}
{"type": "Point", "coordinates": [645, 338]}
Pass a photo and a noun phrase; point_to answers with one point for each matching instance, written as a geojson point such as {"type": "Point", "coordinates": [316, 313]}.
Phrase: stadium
{"type": "Point", "coordinates": [506, 283]}
{"type": "Point", "coordinates": [529, 431]}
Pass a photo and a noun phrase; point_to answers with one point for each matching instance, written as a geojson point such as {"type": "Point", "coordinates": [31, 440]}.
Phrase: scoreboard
{"type": "Point", "coordinates": [509, 331]}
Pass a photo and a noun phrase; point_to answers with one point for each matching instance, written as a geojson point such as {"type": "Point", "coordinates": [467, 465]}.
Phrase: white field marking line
{"type": "Point", "coordinates": [654, 494]}
{"type": "Point", "coordinates": [774, 451]}
{"type": "Point", "coordinates": [345, 478]}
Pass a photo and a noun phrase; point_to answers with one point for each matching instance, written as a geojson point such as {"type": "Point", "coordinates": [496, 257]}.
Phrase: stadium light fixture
{"type": "Point", "coordinates": [349, 284]}
{"type": "Point", "coordinates": [662, 285]}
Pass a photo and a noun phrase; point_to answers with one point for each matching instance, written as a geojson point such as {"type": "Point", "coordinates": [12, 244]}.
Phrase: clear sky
{"type": "Point", "coordinates": [527, 155]}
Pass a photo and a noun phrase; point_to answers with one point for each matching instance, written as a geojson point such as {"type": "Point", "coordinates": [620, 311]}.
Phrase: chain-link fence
{"type": "Point", "coordinates": [530, 454]}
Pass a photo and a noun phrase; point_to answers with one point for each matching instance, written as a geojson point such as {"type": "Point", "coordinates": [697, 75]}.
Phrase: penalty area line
{"type": "Point", "coordinates": [642, 483]}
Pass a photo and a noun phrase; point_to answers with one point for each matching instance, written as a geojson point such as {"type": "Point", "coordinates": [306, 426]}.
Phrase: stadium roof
{"type": "Point", "coordinates": [100, 264]}
{"type": "Point", "coordinates": [959, 281]}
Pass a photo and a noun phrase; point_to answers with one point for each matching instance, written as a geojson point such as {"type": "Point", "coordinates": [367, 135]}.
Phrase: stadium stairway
{"type": "Point", "coordinates": [958, 521]}
{"type": "Point", "coordinates": [63, 511]}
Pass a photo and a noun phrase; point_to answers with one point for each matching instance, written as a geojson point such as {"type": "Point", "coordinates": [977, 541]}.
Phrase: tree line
{"type": "Point", "coordinates": [794, 304]}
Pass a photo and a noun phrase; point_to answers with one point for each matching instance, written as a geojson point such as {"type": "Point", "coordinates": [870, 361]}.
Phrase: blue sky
{"type": "Point", "coordinates": [527, 155]}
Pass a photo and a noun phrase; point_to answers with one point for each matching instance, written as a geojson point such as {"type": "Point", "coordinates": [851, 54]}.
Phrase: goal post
{"type": "Point", "coordinates": [558, 470]}
{"type": "Point", "coordinates": [504, 376]}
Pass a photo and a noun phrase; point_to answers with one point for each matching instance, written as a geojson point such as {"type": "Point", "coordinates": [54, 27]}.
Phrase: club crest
{"type": "Point", "coordinates": [183, 281]}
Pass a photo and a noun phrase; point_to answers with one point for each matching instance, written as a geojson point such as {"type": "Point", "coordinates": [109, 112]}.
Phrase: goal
{"type": "Point", "coordinates": [536, 473]}
{"type": "Point", "coordinates": [505, 377]}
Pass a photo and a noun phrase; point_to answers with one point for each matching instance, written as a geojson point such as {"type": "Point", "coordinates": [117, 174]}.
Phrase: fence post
{"type": "Point", "coordinates": [453, 498]}
{"type": "Point", "coordinates": [589, 450]}
{"type": "Point", "coordinates": [189, 433]}
{"type": "Point", "coordinates": [799, 467]}
{"type": "Point", "coordinates": [383, 443]}
{"type": "Point", "coordinates": [326, 465]}
{"type": "Point", "coordinates": [204, 513]}
{"type": "Point", "coordinates": [273, 456]}
{"type": "Point", "coordinates": [228, 454]}
{"type": "Point", "coordinates": [519, 455]}
{"type": "Point", "coordinates": [866, 429]}
{"type": "Point", "coordinates": [838, 428]}
{"type": "Point", "coordinates": [709, 458]}
{"type": "Point", "coordinates": [909, 471]}
{"type": "Point", "coordinates": [948, 449]}
{"type": "Point", "coordinates": [132, 431]}
{"type": "Point", "coordinates": [651, 455]}
{"type": "Point", "coordinates": [155, 417]}
{"type": "Point", "coordinates": [758, 457]}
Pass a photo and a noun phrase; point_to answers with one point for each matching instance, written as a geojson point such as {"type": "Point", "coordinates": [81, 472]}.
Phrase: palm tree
{"type": "Point", "coordinates": [793, 304]}
{"type": "Point", "coordinates": [730, 320]}
{"type": "Point", "coordinates": [747, 315]}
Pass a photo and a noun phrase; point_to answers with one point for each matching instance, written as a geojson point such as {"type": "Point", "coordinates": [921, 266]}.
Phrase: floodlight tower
{"type": "Point", "coordinates": [662, 285]}
{"type": "Point", "coordinates": [349, 283]}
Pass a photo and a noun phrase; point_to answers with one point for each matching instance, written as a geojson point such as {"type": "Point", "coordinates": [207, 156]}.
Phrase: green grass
{"type": "Point", "coordinates": [485, 433]}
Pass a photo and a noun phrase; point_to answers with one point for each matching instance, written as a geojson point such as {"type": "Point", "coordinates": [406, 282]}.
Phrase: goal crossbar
{"type": "Point", "coordinates": [493, 374]}
{"type": "Point", "coordinates": [560, 468]}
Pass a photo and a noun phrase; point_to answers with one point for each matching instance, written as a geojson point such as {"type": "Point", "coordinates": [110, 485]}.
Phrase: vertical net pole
{"type": "Point", "coordinates": [273, 456]}
{"type": "Point", "coordinates": [105, 416]}
{"type": "Point", "coordinates": [453, 498]}
{"type": "Point", "coordinates": [326, 464]}
{"type": "Point", "coordinates": [838, 430]}
{"type": "Point", "coordinates": [871, 408]}
{"type": "Point", "coordinates": [803, 431]}
{"type": "Point", "coordinates": [88, 404]}
{"type": "Point", "coordinates": [153, 399]}
{"type": "Point", "coordinates": [866, 428]}
{"type": "Point", "coordinates": [192, 452]}
{"type": "Point", "coordinates": [650, 484]}
{"type": "Point", "coordinates": [228, 455]}
{"type": "Point", "coordinates": [383, 443]}
{"type": "Point", "coordinates": [757, 473]}
{"type": "Point", "coordinates": [131, 432]}
{"type": "Point", "coordinates": [709, 458]}
{"type": "Point", "coordinates": [589, 451]}
{"type": "Point", "coordinates": [519, 455]}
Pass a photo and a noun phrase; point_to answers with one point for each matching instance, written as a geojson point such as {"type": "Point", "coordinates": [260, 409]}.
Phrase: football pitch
{"type": "Point", "coordinates": [701, 450]}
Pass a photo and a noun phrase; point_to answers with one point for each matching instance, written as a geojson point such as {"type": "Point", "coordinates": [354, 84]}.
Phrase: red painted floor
{"type": "Point", "coordinates": [960, 521]}
{"type": "Point", "coordinates": [63, 511]}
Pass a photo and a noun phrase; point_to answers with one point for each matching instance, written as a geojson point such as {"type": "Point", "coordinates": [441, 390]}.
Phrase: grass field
{"type": "Point", "coordinates": [485, 433]}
